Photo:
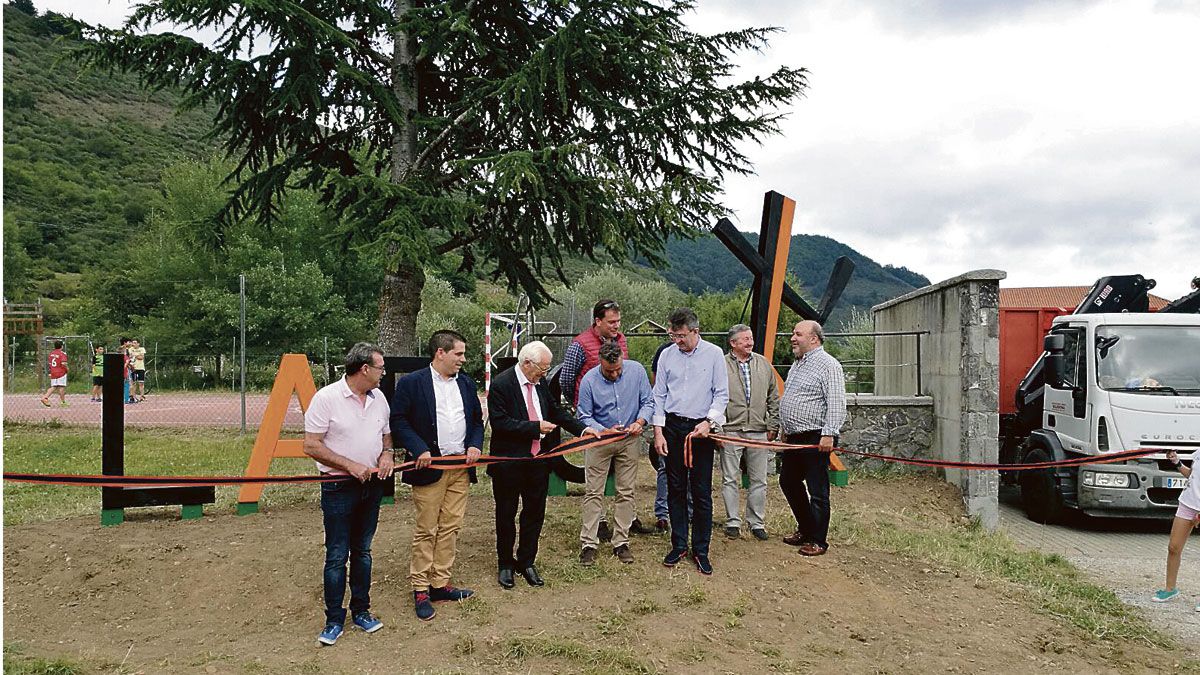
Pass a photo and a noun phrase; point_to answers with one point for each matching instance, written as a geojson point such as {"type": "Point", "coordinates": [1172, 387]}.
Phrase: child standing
{"type": "Point", "coordinates": [1185, 519]}
{"type": "Point", "coordinates": [97, 372]}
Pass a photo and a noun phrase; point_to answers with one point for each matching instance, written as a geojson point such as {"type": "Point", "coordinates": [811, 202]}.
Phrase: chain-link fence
{"type": "Point", "coordinates": [173, 390]}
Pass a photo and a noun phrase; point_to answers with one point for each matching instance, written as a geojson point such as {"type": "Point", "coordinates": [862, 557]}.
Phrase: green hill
{"type": "Point", "coordinates": [83, 154]}
{"type": "Point", "coordinates": [810, 259]}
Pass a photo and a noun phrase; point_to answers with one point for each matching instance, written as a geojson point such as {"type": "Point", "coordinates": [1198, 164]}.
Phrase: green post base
{"type": "Point", "coordinates": [387, 501]}
{"type": "Point", "coordinates": [246, 508]}
{"type": "Point", "coordinates": [191, 511]}
{"type": "Point", "coordinates": [110, 517]}
{"type": "Point", "coordinates": [610, 486]}
{"type": "Point", "coordinates": [558, 486]}
{"type": "Point", "coordinates": [839, 478]}
{"type": "Point", "coordinates": [745, 481]}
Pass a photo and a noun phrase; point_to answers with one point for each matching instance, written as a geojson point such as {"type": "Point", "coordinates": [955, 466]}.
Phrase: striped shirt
{"type": "Point", "coordinates": [815, 395]}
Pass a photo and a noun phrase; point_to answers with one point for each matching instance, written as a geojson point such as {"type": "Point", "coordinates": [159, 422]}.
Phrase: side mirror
{"type": "Point", "coordinates": [1054, 369]}
{"type": "Point", "coordinates": [1055, 343]}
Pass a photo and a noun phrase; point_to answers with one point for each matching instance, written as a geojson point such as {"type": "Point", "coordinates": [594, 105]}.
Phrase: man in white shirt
{"type": "Point", "coordinates": [346, 431]}
{"type": "Point", "coordinates": [440, 496]}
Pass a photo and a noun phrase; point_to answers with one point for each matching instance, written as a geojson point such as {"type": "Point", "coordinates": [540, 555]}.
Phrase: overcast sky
{"type": "Point", "coordinates": [1058, 140]}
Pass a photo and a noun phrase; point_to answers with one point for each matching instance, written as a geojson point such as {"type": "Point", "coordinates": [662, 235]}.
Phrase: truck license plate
{"type": "Point", "coordinates": [1174, 482]}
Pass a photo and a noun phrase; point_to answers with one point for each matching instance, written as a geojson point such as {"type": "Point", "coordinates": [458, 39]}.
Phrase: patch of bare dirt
{"type": "Point", "coordinates": [229, 594]}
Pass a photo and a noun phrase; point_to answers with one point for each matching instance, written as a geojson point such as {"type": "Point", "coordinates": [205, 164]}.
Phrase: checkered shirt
{"type": "Point", "coordinates": [814, 396]}
{"type": "Point", "coordinates": [744, 368]}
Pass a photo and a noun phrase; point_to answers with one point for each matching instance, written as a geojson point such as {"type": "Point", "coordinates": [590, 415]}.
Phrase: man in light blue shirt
{"type": "Point", "coordinates": [691, 390]}
{"type": "Point", "coordinates": [615, 395]}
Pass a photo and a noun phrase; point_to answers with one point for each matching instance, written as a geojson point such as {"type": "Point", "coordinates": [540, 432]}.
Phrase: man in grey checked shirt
{"type": "Point", "coordinates": [812, 411]}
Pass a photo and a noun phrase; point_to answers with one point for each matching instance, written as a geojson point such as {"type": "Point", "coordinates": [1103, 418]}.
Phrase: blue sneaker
{"type": "Point", "coordinates": [331, 633]}
{"type": "Point", "coordinates": [673, 557]}
{"type": "Point", "coordinates": [424, 607]}
{"type": "Point", "coordinates": [449, 593]}
{"type": "Point", "coordinates": [1164, 595]}
{"type": "Point", "coordinates": [702, 564]}
{"type": "Point", "coordinates": [365, 621]}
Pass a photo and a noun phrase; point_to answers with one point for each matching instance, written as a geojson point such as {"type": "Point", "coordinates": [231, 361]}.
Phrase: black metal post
{"type": "Point", "coordinates": [112, 435]}
{"type": "Point", "coordinates": [919, 387]}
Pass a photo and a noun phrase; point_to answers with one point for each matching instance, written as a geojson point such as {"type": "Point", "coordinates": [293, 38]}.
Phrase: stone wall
{"type": "Point", "coordinates": [960, 370]}
{"type": "Point", "coordinates": [900, 426]}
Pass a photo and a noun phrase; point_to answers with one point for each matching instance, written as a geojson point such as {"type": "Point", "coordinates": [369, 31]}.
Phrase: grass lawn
{"type": "Point", "coordinates": [49, 448]}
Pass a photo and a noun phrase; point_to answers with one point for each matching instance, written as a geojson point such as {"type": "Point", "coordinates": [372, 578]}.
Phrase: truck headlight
{"type": "Point", "coordinates": [1108, 480]}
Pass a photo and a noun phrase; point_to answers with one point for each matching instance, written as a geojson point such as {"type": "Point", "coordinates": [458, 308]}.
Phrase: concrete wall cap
{"type": "Point", "coordinates": [873, 400]}
{"type": "Point", "coordinates": [973, 275]}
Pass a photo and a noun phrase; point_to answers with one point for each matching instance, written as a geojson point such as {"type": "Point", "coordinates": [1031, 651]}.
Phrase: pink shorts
{"type": "Point", "coordinates": [1186, 513]}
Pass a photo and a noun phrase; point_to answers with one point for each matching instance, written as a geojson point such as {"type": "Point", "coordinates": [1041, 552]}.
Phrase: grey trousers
{"type": "Point", "coordinates": [731, 477]}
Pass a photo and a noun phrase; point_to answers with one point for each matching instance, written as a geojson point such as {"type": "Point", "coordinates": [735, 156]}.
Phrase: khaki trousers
{"type": "Point", "coordinates": [440, 508]}
{"type": "Point", "coordinates": [596, 460]}
{"type": "Point", "coordinates": [731, 478]}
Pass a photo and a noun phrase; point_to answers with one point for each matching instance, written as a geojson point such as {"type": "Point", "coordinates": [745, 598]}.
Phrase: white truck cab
{"type": "Point", "coordinates": [1116, 382]}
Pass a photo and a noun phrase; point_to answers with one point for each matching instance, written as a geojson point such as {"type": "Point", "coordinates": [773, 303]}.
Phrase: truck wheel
{"type": "Point", "coordinates": [1040, 497]}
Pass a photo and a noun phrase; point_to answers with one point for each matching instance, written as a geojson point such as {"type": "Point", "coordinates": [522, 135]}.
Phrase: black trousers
{"type": "Point", "coordinates": [804, 479]}
{"type": "Point", "coordinates": [524, 485]}
{"type": "Point", "coordinates": [680, 500]}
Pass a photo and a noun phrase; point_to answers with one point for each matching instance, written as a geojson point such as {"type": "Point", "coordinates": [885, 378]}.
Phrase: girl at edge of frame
{"type": "Point", "coordinates": [1186, 517]}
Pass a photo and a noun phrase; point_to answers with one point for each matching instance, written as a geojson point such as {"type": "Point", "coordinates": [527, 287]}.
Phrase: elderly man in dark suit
{"type": "Point", "coordinates": [436, 413]}
{"type": "Point", "coordinates": [521, 412]}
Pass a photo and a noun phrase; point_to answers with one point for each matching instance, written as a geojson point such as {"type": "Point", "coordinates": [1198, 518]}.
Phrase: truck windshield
{"type": "Point", "coordinates": [1155, 360]}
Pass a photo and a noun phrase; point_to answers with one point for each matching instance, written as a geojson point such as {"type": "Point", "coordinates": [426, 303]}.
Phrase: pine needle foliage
{"type": "Point", "coordinates": [543, 129]}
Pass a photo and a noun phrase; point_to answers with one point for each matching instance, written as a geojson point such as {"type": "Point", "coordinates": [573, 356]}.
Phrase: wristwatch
{"type": "Point", "coordinates": [713, 425]}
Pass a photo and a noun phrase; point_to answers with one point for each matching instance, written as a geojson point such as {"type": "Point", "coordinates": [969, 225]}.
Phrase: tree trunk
{"type": "Point", "coordinates": [400, 296]}
{"type": "Point", "coordinates": [399, 303]}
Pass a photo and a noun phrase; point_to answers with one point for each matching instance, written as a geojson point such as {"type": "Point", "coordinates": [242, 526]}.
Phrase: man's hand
{"type": "Point", "coordinates": [547, 427]}
{"type": "Point", "coordinates": [386, 464]}
{"type": "Point", "coordinates": [660, 442]}
{"type": "Point", "coordinates": [588, 431]}
{"type": "Point", "coordinates": [703, 429]}
{"type": "Point", "coordinates": [635, 428]}
{"type": "Point", "coordinates": [360, 471]}
{"type": "Point", "coordinates": [472, 455]}
{"type": "Point", "coordinates": [826, 444]}
{"type": "Point", "coordinates": [772, 434]}
{"type": "Point", "coordinates": [424, 460]}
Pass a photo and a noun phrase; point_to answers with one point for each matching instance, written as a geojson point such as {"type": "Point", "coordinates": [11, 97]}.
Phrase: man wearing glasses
{"type": "Point", "coordinates": [436, 413]}
{"type": "Point", "coordinates": [691, 392]}
{"type": "Point", "coordinates": [346, 430]}
{"type": "Point", "coordinates": [521, 412]}
{"type": "Point", "coordinates": [583, 355]}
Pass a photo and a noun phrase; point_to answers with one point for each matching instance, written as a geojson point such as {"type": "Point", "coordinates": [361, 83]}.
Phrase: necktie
{"type": "Point", "coordinates": [533, 416]}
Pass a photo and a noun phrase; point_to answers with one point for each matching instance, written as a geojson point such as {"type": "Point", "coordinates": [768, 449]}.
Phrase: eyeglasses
{"type": "Point", "coordinates": [679, 336]}
{"type": "Point", "coordinates": [537, 367]}
{"type": "Point", "coordinates": [382, 369]}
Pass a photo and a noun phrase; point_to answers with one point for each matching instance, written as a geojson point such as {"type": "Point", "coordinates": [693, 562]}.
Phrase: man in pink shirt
{"type": "Point", "coordinates": [347, 430]}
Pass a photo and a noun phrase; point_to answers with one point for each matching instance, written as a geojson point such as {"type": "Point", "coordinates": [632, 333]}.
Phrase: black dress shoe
{"type": "Point", "coordinates": [531, 575]}
{"type": "Point", "coordinates": [506, 578]}
{"type": "Point", "coordinates": [638, 528]}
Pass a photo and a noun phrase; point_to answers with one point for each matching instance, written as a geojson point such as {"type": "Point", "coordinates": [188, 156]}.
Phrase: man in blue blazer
{"type": "Point", "coordinates": [436, 413]}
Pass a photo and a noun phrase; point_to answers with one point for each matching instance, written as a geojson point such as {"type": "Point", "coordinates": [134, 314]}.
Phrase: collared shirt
{"type": "Point", "coordinates": [815, 395]}
{"type": "Point", "coordinates": [744, 369]}
{"type": "Point", "coordinates": [352, 428]}
{"type": "Point", "coordinates": [604, 404]}
{"type": "Point", "coordinates": [451, 418]}
{"type": "Point", "coordinates": [693, 384]}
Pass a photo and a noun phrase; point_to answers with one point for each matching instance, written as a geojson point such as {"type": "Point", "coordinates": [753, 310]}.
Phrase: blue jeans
{"type": "Point", "coordinates": [351, 511]}
{"type": "Point", "coordinates": [661, 510]}
{"type": "Point", "coordinates": [689, 490]}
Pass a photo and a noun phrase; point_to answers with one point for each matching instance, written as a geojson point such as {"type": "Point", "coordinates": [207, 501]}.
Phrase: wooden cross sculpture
{"type": "Point", "coordinates": [768, 265]}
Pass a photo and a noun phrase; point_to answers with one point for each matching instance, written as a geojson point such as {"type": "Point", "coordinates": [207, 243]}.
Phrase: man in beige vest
{"type": "Point", "coordinates": [752, 413]}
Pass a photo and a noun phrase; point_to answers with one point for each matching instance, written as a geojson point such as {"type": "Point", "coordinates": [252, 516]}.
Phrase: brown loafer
{"type": "Point", "coordinates": [794, 539]}
{"type": "Point", "coordinates": [812, 549]}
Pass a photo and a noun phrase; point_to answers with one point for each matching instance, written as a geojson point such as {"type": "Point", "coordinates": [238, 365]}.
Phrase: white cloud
{"type": "Point", "coordinates": [1057, 140]}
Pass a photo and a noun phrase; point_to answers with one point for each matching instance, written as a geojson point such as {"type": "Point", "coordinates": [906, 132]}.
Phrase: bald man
{"type": "Point", "coordinates": [812, 412]}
